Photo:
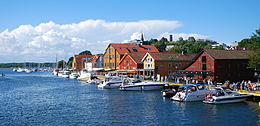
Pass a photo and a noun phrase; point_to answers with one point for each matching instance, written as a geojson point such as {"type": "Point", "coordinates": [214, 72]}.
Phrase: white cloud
{"type": "Point", "coordinates": [42, 42]}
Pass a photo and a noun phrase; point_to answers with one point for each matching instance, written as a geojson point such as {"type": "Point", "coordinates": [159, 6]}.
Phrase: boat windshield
{"type": "Point", "coordinates": [181, 89]}
{"type": "Point", "coordinates": [192, 89]}
{"type": "Point", "coordinates": [228, 91]}
{"type": "Point", "coordinates": [137, 81]}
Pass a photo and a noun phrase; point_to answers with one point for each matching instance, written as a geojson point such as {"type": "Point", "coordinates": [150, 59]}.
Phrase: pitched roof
{"type": "Point", "coordinates": [83, 56]}
{"type": "Point", "coordinates": [129, 48]}
{"type": "Point", "coordinates": [136, 56]}
{"type": "Point", "coordinates": [228, 54]}
{"type": "Point", "coordinates": [168, 56]}
{"type": "Point", "coordinates": [95, 57]}
{"type": "Point", "coordinates": [79, 58]}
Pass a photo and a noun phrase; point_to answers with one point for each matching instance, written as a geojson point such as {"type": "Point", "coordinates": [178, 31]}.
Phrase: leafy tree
{"type": "Point", "coordinates": [153, 41]}
{"type": "Point", "coordinates": [86, 52]}
{"type": "Point", "coordinates": [61, 64]}
{"type": "Point", "coordinates": [252, 43]}
{"type": "Point", "coordinates": [254, 62]}
{"type": "Point", "coordinates": [180, 39]}
{"type": "Point", "coordinates": [70, 62]}
{"type": "Point", "coordinates": [191, 39]}
{"type": "Point", "coordinates": [219, 47]}
{"type": "Point", "coordinates": [163, 39]}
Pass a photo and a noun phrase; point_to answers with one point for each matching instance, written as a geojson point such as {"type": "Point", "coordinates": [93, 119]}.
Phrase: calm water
{"type": "Point", "coordinates": [42, 99]}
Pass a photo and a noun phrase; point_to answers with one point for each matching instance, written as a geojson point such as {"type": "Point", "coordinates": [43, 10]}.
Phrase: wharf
{"type": "Point", "coordinates": [255, 97]}
{"type": "Point", "coordinates": [254, 93]}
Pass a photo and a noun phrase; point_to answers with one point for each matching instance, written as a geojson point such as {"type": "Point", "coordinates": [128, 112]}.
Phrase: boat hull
{"type": "Point", "coordinates": [226, 99]}
{"type": "Point", "coordinates": [142, 87]}
{"type": "Point", "coordinates": [109, 86]}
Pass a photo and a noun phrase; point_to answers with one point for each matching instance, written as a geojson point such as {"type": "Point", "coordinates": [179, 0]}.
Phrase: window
{"type": "Point", "coordinates": [134, 49]}
{"type": "Point", "coordinates": [204, 67]}
{"type": "Point", "coordinates": [204, 59]}
{"type": "Point", "coordinates": [110, 50]}
{"type": "Point", "coordinates": [151, 65]}
{"type": "Point", "coordinates": [209, 66]}
{"type": "Point", "coordinates": [148, 65]}
{"type": "Point", "coordinates": [199, 65]}
{"type": "Point", "coordinates": [169, 65]}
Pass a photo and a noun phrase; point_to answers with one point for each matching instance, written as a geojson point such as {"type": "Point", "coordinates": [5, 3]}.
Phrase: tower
{"type": "Point", "coordinates": [142, 37]}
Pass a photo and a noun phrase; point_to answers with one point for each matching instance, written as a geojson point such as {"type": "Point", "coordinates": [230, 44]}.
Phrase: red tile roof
{"type": "Point", "coordinates": [129, 48]}
{"type": "Point", "coordinates": [228, 54]}
{"type": "Point", "coordinates": [78, 58]}
{"type": "Point", "coordinates": [171, 56]}
{"type": "Point", "coordinates": [136, 56]}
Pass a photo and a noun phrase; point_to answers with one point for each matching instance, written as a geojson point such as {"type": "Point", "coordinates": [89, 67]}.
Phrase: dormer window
{"type": "Point", "coordinates": [134, 49]}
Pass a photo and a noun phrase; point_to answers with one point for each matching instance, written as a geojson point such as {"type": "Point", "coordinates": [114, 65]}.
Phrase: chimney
{"type": "Point", "coordinates": [170, 38]}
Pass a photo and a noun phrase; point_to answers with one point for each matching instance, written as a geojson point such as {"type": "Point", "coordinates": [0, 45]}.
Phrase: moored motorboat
{"type": "Point", "coordinates": [111, 82]}
{"type": "Point", "coordinates": [20, 70]}
{"type": "Point", "coordinates": [66, 74]}
{"type": "Point", "coordinates": [55, 72]}
{"type": "Point", "coordinates": [170, 90]}
{"type": "Point", "coordinates": [73, 76]}
{"type": "Point", "coordinates": [137, 85]}
{"type": "Point", "coordinates": [84, 76]}
{"type": "Point", "coordinates": [222, 95]}
{"type": "Point", "coordinates": [191, 92]}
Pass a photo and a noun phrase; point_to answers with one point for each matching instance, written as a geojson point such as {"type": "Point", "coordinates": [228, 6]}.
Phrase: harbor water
{"type": "Point", "coordinates": [40, 98]}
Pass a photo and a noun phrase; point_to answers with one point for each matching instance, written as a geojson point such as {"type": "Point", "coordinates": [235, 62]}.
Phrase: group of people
{"type": "Point", "coordinates": [244, 85]}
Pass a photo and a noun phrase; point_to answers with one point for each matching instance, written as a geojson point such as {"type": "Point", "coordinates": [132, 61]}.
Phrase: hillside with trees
{"type": "Point", "coordinates": [252, 43]}
{"type": "Point", "coordinates": [191, 45]}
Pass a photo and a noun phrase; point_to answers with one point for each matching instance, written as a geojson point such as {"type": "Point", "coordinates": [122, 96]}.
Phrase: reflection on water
{"type": "Point", "coordinates": [42, 99]}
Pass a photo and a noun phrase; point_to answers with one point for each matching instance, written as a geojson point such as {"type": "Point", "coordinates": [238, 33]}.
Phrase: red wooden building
{"type": "Point", "coordinates": [132, 61]}
{"type": "Point", "coordinates": [219, 65]}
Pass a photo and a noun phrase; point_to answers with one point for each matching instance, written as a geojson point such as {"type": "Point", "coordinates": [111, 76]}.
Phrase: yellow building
{"type": "Point", "coordinates": [165, 63]}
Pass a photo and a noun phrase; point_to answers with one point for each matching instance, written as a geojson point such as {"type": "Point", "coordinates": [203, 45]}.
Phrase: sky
{"type": "Point", "coordinates": [38, 30]}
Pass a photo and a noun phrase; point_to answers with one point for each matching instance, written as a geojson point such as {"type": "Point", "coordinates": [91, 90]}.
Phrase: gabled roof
{"type": "Point", "coordinates": [79, 58]}
{"type": "Point", "coordinates": [95, 57]}
{"type": "Point", "coordinates": [136, 56]}
{"type": "Point", "coordinates": [170, 56]}
{"type": "Point", "coordinates": [227, 54]}
{"type": "Point", "coordinates": [83, 56]}
{"type": "Point", "coordinates": [219, 54]}
{"type": "Point", "coordinates": [129, 48]}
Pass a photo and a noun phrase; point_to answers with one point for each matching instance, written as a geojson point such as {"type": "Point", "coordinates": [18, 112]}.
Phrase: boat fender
{"type": "Point", "coordinates": [209, 95]}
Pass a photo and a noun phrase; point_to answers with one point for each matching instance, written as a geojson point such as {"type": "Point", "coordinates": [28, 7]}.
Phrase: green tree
{"type": "Point", "coordinates": [153, 41]}
{"type": "Point", "coordinates": [86, 52]}
{"type": "Point", "coordinates": [180, 39]}
{"type": "Point", "coordinates": [70, 62]}
{"type": "Point", "coordinates": [62, 64]}
{"type": "Point", "coordinates": [254, 60]}
{"type": "Point", "coordinates": [191, 39]}
{"type": "Point", "coordinates": [252, 43]}
{"type": "Point", "coordinates": [163, 39]}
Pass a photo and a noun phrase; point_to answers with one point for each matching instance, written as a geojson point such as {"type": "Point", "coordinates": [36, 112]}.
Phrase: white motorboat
{"type": "Point", "coordinates": [55, 72]}
{"type": "Point", "coordinates": [137, 85]}
{"type": "Point", "coordinates": [74, 76]}
{"type": "Point", "coordinates": [191, 92]}
{"type": "Point", "coordinates": [20, 70]}
{"type": "Point", "coordinates": [60, 73]}
{"type": "Point", "coordinates": [84, 76]}
{"type": "Point", "coordinates": [222, 95]}
{"type": "Point", "coordinates": [14, 69]}
{"type": "Point", "coordinates": [28, 70]}
{"type": "Point", "coordinates": [111, 82]}
{"type": "Point", "coordinates": [66, 74]}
